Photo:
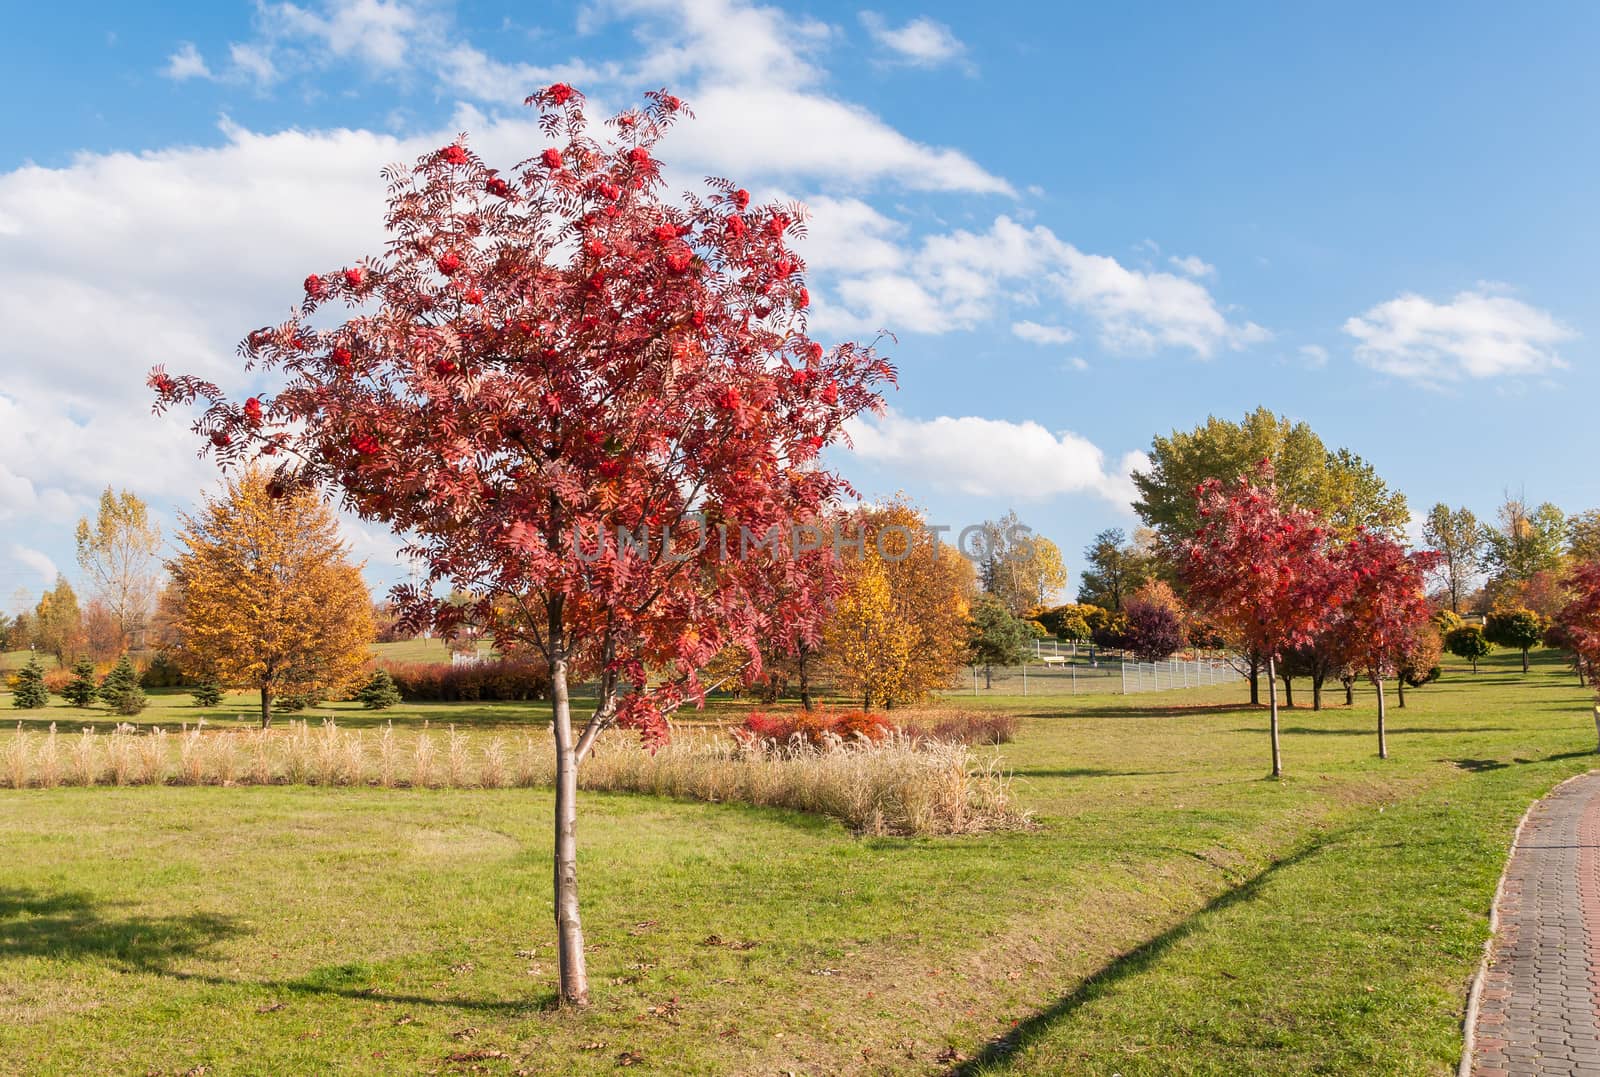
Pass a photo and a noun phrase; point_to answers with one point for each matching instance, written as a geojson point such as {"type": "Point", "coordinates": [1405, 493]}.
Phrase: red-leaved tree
{"type": "Point", "coordinates": [1260, 569]}
{"type": "Point", "coordinates": [589, 404]}
{"type": "Point", "coordinates": [1577, 624]}
{"type": "Point", "coordinates": [1383, 606]}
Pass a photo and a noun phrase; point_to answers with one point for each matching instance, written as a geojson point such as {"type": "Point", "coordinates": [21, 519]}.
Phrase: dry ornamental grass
{"type": "Point", "coordinates": [902, 783]}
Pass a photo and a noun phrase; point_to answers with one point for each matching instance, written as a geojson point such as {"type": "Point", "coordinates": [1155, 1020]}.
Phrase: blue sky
{"type": "Point", "coordinates": [1085, 223]}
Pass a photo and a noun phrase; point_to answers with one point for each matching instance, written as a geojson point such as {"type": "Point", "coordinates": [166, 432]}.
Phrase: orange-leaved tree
{"type": "Point", "coordinates": [264, 595]}
{"type": "Point", "coordinates": [898, 631]}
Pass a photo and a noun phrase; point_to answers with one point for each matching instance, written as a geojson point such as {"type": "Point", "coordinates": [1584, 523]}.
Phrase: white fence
{"type": "Point", "coordinates": [1161, 676]}
{"type": "Point", "coordinates": [1090, 673]}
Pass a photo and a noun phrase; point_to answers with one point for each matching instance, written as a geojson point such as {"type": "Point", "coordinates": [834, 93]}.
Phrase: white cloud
{"type": "Point", "coordinates": [378, 32]}
{"type": "Point", "coordinates": [1477, 334]}
{"type": "Point", "coordinates": [1315, 356]}
{"type": "Point", "coordinates": [1042, 334]}
{"type": "Point", "coordinates": [1192, 265]}
{"type": "Point", "coordinates": [994, 457]}
{"type": "Point", "coordinates": [922, 42]}
{"type": "Point", "coordinates": [745, 69]}
{"type": "Point", "coordinates": [34, 559]}
{"type": "Point", "coordinates": [186, 63]}
{"type": "Point", "coordinates": [1078, 363]}
{"type": "Point", "coordinates": [252, 64]}
{"type": "Point", "coordinates": [959, 279]}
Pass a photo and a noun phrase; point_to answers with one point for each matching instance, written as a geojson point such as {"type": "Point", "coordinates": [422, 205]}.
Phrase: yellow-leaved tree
{"type": "Point", "coordinates": [898, 632]}
{"type": "Point", "coordinates": [264, 595]}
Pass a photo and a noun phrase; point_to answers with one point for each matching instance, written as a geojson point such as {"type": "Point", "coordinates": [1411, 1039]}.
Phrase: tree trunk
{"type": "Point", "coordinates": [266, 707]}
{"type": "Point", "coordinates": [1255, 679]}
{"type": "Point", "coordinates": [805, 676]}
{"type": "Point", "coordinates": [1272, 694]}
{"type": "Point", "coordinates": [1400, 689]}
{"type": "Point", "coordinates": [1288, 691]}
{"type": "Point", "coordinates": [1349, 691]}
{"type": "Point", "coordinates": [1597, 728]}
{"type": "Point", "coordinates": [988, 678]}
{"type": "Point", "coordinates": [1316, 690]}
{"type": "Point", "coordinates": [574, 976]}
{"type": "Point", "coordinates": [1383, 744]}
{"type": "Point", "coordinates": [1524, 659]}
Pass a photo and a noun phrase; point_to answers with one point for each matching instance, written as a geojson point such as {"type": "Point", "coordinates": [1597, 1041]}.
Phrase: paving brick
{"type": "Point", "coordinates": [1539, 1012]}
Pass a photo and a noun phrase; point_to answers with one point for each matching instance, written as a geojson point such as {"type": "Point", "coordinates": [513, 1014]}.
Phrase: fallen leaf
{"type": "Point", "coordinates": [274, 1008]}
{"type": "Point", "coordinates": [629, 1058]}
{"type": "Point", "coordinates": [477, 1054]}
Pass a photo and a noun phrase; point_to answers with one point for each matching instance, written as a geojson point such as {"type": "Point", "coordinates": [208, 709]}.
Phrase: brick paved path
{"type": "Point", "coordinates": [1540, 1007]}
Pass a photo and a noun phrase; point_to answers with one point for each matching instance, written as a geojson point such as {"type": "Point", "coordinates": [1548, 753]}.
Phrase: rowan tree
{"type": "Point", "coordinates": [120, 553]}
{"type": "Point", "coordinates": [544, 356]}
{"type": "Point", "coordinates": [1261, 569]}
{"type": "Point", "coordinates": [264, 594]}
{"type": "Point", "coordinates": [1577, 624]}
{"type": "Point", "coordinates": [1519, 629]}
{"type": "Point", "coordinates": [1383, 606]}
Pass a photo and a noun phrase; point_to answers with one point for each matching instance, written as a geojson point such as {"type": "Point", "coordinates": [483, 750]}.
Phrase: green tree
{"type": "Point", "coordinates": [30, 692]}
{"type": "Point", "coordinates": [120, 554]}
{"type": "Point", "coordinates": [208, 693]}
{"type": "Point", "coordinates": [1339, 485]}
{"type": "Point", "coordinates": [120, 689]}
{"type": "Point", "coordinates": [1520, 629]}
{"type": "Point", "coordinates": [1528, 542]}
{"type": "Point", "coordinates": [81, 690]}
{"type": "Point", "coordinates": [996, 636]}
{"type": "Point", "coordinates": [1468, 642]}
{"type": "Point", "coordinates": [1114, 568]}
{"type": "Point", "coordinates": [1459, 538]}
{"type": "Point", "coordinates": [379, 693]}
{"type": "Point", "coordinates": [1583, 536]}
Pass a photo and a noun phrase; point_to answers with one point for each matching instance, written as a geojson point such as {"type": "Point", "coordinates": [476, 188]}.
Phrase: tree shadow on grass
{"type": "Point", "coordinates": [1171, 710]}
{"type": "Point", "coordinates": [1087, 772]}
{"type": "Point", "coordinates": [73, 926]}
{"type": "Point", "coordinates": [1372, 730]}
{"type": "Point", "coordinates": [1002, 1051]}
{"type": "Point", "coordinates": [1478, 766]}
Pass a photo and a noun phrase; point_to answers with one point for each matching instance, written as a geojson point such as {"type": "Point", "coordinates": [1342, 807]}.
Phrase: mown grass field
{"type": "Point", "coordinates": [1175, 912]}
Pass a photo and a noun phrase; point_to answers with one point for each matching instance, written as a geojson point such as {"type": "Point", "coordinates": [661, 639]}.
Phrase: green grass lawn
{"type": "Point", "coordinates": [1174, 913]}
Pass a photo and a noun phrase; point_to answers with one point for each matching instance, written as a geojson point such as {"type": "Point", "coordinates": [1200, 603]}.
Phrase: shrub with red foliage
{"type": "Point", "coordinates": [439, 682]}
{"type": "Point", "coordinates": [814, 726]}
